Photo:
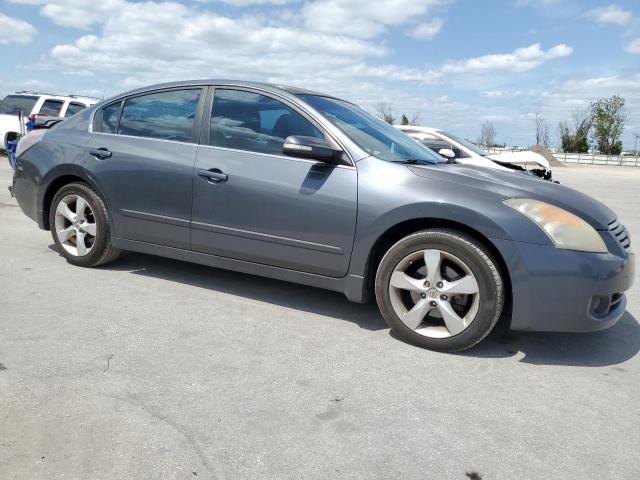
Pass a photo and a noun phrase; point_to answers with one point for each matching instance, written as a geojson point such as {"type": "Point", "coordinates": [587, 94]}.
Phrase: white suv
{"type": "Point", "coordinates": [36, 103]}
{"type": "Point", "coordinates": [463, 151]}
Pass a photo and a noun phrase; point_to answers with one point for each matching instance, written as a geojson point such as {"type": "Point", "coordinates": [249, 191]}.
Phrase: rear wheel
{"type": "Point", "coordinates": [79, 226]}
{"type": "Point", "coordinates": [439, 289]}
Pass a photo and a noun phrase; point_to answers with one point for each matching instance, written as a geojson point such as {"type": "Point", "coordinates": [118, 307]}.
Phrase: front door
{"type": "Point", "coordinates": [142, 155]}
{"type": "Point", "coordinates": [251, 202]}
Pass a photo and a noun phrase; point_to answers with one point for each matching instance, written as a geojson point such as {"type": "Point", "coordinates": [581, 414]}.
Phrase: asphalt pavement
{"type": "Point", "coordinates": [151, 368]}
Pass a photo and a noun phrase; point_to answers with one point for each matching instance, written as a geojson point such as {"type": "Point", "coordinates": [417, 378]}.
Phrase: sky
{"type": "Point", "coordinates": [455, 63]}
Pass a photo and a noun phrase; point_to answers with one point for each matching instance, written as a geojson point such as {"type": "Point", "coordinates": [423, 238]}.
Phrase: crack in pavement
{"type": "Point", "coordinates": [186, 434]}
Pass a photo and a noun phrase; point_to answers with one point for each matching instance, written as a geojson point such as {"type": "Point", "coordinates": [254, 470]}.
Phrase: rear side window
{"type": "Point", "coordinates": [12, 103]}
{"type": "Point", "coordinates": [250, 121]}
{"type": "Point", "coordinates": [51, 107]}
{"type": "Point", "coordinates": [164, 115]}
{"type": "Point", "coordinates": [74, 108]}
{"type": "Point", "coordinates": [110, 116]}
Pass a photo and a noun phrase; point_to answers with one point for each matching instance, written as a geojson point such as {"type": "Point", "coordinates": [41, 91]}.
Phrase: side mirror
{"type": "Point", "coordinates": [313, 148]}
{"type": "Point", "coordinates": [446, 153]}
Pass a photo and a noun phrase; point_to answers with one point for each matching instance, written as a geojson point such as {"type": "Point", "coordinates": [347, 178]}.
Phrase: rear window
{"type": "Point", "coordinates": [12, 103]}
{"type": "Point", "coordinates": [51, 107]}
{"type": "Point", "coordinates": [74, 108]}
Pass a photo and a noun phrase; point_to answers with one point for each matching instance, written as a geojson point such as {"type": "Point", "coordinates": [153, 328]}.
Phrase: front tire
{"type": "Point", "coordinates": [79, 226]}
{"type": "Point", "coordinates": [439, 289]}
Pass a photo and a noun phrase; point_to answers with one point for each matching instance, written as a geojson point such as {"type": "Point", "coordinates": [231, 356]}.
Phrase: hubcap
{"type": "Point", "coordinates": [434, 293]}
{"type": "Point", "coordinates": [75, 225]}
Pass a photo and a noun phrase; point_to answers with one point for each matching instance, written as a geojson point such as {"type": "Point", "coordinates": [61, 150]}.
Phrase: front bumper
{"type": "Point", "coordinates": [556, 290]}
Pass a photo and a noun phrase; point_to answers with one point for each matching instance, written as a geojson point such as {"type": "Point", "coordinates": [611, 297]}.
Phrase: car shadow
{"type": "Point", "coordinates": [609, 347]}
{"type": "Point", "coordinates": [277, 292]}
{"type": "Point", "coordinates": [594, 349]}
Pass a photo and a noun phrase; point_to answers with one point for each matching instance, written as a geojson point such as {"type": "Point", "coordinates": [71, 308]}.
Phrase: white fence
{"type": "Point", "coordinates": [582, 158]}
{"type": "Point", "coordinates": [593, 159]}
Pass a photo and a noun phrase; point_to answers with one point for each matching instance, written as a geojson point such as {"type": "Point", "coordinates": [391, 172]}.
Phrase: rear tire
{"type": "Point", "coordinates": [80, 226]}
{"type": "Point", "coordinates": [439, 289]}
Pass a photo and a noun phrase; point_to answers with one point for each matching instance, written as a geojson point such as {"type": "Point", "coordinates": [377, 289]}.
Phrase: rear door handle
{"type": "Point", "coordinates": [100, 152]}
{"type": "Point", "coordinates": [213, 175]}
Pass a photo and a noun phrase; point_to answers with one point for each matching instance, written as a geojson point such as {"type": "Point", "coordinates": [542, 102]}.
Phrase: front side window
{"type": "Point", "coordinates": [257, 123]}
{"type": "Point", "coordinates": [51, 108]}
{"type": "Point", "coordinates": [465, 143]}
{"type": "Point", "coordinates": [165, 115]}
{"type": "Point", "coordinates": [14, 103]}
{"type": "Point", "coordinates": [371, 134]}
{"type": "Point", "coordinates": [74, 108]}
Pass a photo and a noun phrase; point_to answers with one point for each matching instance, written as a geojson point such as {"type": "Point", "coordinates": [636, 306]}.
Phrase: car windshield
{"type": "Point", "coordinates": [12, 103]}
{"type": "Point", "coordinates": [465, 143]}
{"type": "Point", "coordinates": [374, 136]}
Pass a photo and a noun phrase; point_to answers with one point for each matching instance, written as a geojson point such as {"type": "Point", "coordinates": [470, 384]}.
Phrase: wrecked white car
{"type": "Point", "coordinates": [463, 151]}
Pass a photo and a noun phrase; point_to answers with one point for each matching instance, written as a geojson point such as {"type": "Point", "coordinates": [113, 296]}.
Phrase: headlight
{"type": "Point", "coordinates": [565, 229]}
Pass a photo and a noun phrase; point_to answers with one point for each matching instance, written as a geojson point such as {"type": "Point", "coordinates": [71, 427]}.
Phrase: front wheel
{"type": "Point", "coordinates": [79, 226]}
{"type": "Point", "coordinates": [439, 289]}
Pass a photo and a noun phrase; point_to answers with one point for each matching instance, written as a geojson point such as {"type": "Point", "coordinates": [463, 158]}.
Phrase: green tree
{"type": "Point", "coordinates": [574, 136]}
{"type": "Point", "coordinates": [608, 123]}
{"type": "Point", "coordinates": [404, 120]}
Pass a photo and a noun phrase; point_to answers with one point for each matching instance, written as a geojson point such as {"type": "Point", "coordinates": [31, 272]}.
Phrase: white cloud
{"type": "Point", "coordinates": [13, 30]}
{"type": "Point", "coordinates": [246, 3]}
{"type": "Point", "coordinates": [506, 94]}
{"type": "Point", "coordinates": [495, 118]}
{"type": "Point", "coordinates": [561, 98]}
{"type": "Point", "coordinates": [364, 18]}
{"type": "Point", "coordinates": [151, 42]}
{"type": "Point", "coordinates": [611, 14]}
{"type": "Point", "coordinates": [520, 60]}
{"type": "Point", "coordinates": [633, 47]}
{"type": "Point", "coordinates": [429, 29]}
{"type": "Point", "coordinates": [75, 13]}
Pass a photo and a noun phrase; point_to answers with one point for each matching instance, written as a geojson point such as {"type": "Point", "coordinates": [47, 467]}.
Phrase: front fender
{"type": "Point", "coordinates": [403, 197]}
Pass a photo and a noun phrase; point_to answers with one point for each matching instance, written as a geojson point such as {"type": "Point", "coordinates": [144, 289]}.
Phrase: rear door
{"type": "Point", "coordinates": [263, 206]}
{"type": "Point", "coordinates": [142, 154]}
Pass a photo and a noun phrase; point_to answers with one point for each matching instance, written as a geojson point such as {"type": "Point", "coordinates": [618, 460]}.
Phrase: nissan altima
{"type": "Point", "coordinates": [305, 187]}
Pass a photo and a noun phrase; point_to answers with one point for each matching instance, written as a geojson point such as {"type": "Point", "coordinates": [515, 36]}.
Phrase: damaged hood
{"type": "Point", "coordinates": [504, 185]}
{"type": "Point", "coordinates": [523, 159]}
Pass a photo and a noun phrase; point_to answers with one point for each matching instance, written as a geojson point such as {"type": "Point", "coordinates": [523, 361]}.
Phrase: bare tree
{"type": "Point", "coordinates": [542, 131]}
{"type": "Point", "coordinates": [385, 112]}
{"type": "Point", "coordinates": [488, 134]}
{"type": "Point", "coordinates": [415, 119]}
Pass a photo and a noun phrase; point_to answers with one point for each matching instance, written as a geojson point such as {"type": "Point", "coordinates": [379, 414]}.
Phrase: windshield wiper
{"type": "Point", "coordinates": [413, 161]}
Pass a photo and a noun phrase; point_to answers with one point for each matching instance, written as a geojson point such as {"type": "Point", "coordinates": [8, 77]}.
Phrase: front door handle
{"type": "Point", "coordinates": [100, 152]}
{"type": "Point", "coordinates": [213, 175]}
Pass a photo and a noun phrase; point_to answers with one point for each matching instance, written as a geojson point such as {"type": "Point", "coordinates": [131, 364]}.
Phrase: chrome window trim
{"type": "Point", "coordinates": [231, 85]}
{"type": "Point", "coordinates": [275, 155]}
{"type": "Point", "coordinates": [145, 138]}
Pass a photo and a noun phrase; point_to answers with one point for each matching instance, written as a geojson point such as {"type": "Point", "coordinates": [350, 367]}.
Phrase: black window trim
{"type": "Point", "coordinates": [77, 104]}
{"type": "Point", "coordinates": [56, 100]}
{"type": "Point", "coordinates": [197, 120]}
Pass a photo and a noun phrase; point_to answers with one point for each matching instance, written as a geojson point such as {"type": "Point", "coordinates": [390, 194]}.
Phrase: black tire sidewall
{"type": "Point", "coordinates": [482, 267]}
{"type": "Point", "coordinates": [99, 213]}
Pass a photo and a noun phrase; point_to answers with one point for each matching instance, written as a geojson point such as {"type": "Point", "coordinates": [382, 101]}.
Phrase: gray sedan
{"type": "Point", "coordinates": [296, 185]}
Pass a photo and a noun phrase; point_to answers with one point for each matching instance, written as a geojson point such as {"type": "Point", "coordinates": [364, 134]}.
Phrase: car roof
{"type": "Point", "coordinates": [417, 128]}
{"type": "Point", "coordinates": [269, 87]}
{"type": "Point", "coordinates": [86, 100]}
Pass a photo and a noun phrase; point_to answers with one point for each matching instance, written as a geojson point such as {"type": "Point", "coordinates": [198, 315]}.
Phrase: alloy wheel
{"type": "Point", "coordinates": [434, 293]}
{"type": "Point", "coordinates": [75, 225]}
